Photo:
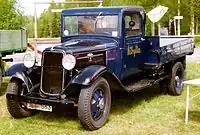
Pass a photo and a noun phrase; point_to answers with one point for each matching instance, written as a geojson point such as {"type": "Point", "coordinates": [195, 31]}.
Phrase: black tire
{"type": "Point", "coordinates": [174, 86]}
{"type": "Point", "coordinates": [15, 108]}
{"type": "Point", "coordinates": [164, 86]}
{"type": "Point", "coordinates": [87, 104]}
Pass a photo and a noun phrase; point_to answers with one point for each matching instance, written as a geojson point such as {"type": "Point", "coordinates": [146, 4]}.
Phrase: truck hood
{"type": "Point", "coordinates": [85, 45]}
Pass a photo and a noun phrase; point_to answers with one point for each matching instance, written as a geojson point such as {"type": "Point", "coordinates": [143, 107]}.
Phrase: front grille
{"type": "Point", "coordinates": [52, 72]}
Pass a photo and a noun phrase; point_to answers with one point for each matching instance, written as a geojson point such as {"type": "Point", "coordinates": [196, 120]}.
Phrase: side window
{"type": "Point", "coordinates": [132, 24]}
{"type": "Point", "coordinates": [71, 25]}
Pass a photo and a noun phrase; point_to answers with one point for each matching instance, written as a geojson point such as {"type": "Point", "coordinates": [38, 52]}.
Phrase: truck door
{"type": "Point", "coordinates": [134, 44]}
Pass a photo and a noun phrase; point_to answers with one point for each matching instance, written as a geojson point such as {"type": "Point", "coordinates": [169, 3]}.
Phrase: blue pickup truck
{"type": "Point", "coordinates": [102, 49]}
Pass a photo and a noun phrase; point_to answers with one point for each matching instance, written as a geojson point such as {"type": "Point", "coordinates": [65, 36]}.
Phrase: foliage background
{"type": "Point", "coordinates": [11, 16]}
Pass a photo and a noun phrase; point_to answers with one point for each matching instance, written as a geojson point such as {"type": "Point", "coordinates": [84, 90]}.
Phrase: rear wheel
{"type": "Point", "coordinates": [94, 104]}
{"type": "Point", "coordinates": [16, 107]}
{"type": "Point", "coordinates": [174, 85]}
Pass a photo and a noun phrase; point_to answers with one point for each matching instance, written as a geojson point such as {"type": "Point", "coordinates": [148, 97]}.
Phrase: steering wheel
{"type": "Point", "coordinates": [131, 23]}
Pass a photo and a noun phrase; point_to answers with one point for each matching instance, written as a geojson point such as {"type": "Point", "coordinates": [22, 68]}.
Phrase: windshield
{"type": "Point", "coordinates": [95, 24]}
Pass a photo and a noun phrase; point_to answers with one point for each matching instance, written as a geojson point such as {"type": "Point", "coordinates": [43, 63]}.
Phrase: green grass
{"type": "Point", "coordinates": [197, 42]}
{"type": "Point", "coordinates": [144, 112]}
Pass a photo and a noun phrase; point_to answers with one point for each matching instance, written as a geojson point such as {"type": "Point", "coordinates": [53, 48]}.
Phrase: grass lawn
{"type": "Point", "coordinates": [197, 42]}
{"type": "Point", "coordinates": [143, 112]}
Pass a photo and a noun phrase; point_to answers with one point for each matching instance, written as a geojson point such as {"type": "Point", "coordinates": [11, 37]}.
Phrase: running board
{"type": "Point", "coordinates": [141, 84]}
{"type": "Point", "coordinates": [138, 85]}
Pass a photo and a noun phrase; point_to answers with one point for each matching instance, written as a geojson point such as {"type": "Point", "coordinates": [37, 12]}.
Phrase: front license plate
{"type": "Point", "coordinates": [46, 108]}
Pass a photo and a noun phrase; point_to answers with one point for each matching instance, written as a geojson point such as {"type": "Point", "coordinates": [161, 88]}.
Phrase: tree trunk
{"type": "Point", "coordinates": [197, 25]}
{"type": "Point", "coordinates": [153, 29]}
{"type": "Point", "coordinates": [159, 27]}
{"type": "Point", "coordinates": [192, 21]}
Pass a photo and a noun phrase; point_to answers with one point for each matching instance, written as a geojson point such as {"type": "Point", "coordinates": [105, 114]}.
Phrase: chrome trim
{"type": "Point", "coordinates": [101, 50]}
{"type": "Point", "coordinates": [86, 57]}
{"type": "Point", "coordinates": [63, 77]}
{"type": "Point", "coordinates": [106, 59]}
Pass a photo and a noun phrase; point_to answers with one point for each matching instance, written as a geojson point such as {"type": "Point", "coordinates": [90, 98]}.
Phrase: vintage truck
{"type": "Point", "coordinates": [102, 49]}
{"type": "Point", "coordinates": [11, 41]}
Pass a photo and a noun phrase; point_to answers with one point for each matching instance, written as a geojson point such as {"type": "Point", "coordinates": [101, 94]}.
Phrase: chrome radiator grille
{"type": "Point", "coordinates": [52, 72]}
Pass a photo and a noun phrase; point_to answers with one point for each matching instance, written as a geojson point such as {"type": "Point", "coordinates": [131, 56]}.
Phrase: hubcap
{"type": "Point", "coordinates": [97, 104]}
{"type": "Point", "coordinates": [179, 80]}
{"type": "Point", "coordinates": [101, 103]}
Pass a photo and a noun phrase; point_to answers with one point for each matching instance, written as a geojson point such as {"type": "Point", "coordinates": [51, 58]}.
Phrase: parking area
{"type": "Point", "coordinates": [195, 58]}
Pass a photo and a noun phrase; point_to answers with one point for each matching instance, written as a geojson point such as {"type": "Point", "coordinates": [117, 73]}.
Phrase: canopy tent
{"type": "Point", "coordinates": [155, 15]}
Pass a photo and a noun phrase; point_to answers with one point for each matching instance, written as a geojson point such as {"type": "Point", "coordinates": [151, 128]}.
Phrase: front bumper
{"type": "Point", "coordinates": [44, 101]}
{"type": "Point", "coordinates": [52, 102]}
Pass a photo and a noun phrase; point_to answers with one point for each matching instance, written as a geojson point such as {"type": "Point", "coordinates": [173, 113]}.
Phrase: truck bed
{"type": "Point", "coordinates": [12, 41]}
{"type": "Point", "coordinates": [168, 48]}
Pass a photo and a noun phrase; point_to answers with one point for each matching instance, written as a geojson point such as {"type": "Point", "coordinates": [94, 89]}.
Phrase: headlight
{"type": "Point", "coordinates": [29, 60]}
{"type": "Point", "coordinates": [69, 62]}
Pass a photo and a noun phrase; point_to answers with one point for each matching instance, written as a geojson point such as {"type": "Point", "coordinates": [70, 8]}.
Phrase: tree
{"type": "Point", "coordinates": [10, 15]}
{"type": "Point", "coordinates": [30, 26]}
{"type": "Point", "coordinates": [49, 22]}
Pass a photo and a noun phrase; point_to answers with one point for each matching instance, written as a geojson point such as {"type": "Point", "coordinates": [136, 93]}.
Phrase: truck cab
{"type": "Point", "coordinates": [102, 50]}
{"type": "Point", "coordinates": [124, 27]}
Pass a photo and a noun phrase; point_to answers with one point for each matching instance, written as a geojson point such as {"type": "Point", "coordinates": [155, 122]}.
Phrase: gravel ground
{"type": "Point", "coordinates": [195, 57]}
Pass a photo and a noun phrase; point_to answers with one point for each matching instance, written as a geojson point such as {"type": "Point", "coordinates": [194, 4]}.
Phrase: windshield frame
{"type": "Point", "coordinates": [100, 14]}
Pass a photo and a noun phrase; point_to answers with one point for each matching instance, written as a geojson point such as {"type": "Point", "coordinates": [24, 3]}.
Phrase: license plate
{"type": "Point", "coordinates": [46, 108]}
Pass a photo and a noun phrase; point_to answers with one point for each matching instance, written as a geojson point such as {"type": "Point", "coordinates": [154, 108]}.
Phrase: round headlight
{"type": "Point", "coordinates": [29, 60]}
{"type": "Point", "coordinates": [69, 62]}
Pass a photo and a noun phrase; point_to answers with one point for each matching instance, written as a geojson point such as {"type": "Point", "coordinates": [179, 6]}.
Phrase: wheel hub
{"type": "Point", "coordinates": [98, 104]}
{"type": "Point", "coordinates": [177, 79]}
{"type": "Point", "coordinates": [101, 103]}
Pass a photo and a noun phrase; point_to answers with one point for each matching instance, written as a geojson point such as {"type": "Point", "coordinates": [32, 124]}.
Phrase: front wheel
{"type": "Point", "coordinates": [16, 107]}
{"type": "Point", "coordinates": [94, 104]}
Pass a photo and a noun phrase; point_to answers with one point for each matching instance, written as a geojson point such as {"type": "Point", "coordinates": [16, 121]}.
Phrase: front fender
{"type": "Point", "coordinates": [88, 75]}
{"type": "Point", "coordinates": [18, 71]}
{"type": "Point", "coordinates": [15, 68]}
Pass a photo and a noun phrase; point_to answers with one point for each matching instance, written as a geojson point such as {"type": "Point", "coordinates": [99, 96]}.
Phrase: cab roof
{"type": "Point", "coordinates": [104, 10]}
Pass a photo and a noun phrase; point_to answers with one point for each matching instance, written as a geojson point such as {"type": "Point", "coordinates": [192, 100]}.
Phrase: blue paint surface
{"type": "Point", "coordinates": [15, 68]}
{"type": "Point", "coordinates": [153, 49]}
